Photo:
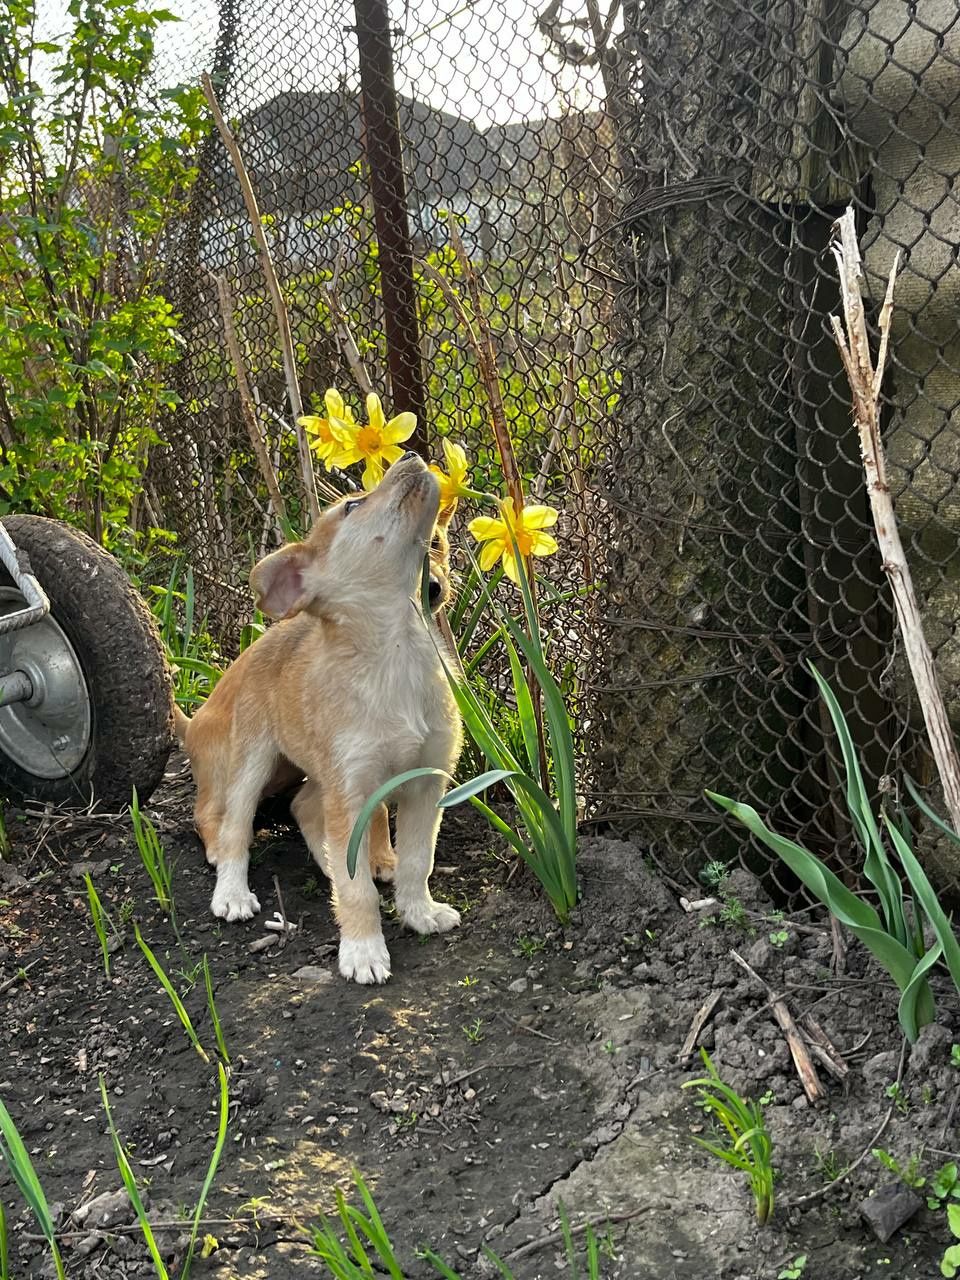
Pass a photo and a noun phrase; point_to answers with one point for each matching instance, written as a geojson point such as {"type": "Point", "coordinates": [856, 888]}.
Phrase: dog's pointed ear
{"type": "Point", "coordinates": [279, 581]}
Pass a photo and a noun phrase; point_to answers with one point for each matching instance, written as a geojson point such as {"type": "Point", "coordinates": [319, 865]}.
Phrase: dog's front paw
{"type": "Point", "coordinates": [364, 960]}
{"type": "Point", "coordinates": [429, 916]}
{"type": "Point", "coordinates": [230, 903]}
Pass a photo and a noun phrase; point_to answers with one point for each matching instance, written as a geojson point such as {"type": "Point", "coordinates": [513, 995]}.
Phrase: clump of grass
{"type": "Point", "coordinates": [154, 859]}
{"type": "Point", "coordinates": [190, 649]}
{"type": "Point", "coordinates": [15, 1157]}
{"type": "Point", "coordinates": [369, 1252]}
{"type": "Point", "coordinates": [175, 1000]}
{"type": "Point", "coordinates": [743, 1140]}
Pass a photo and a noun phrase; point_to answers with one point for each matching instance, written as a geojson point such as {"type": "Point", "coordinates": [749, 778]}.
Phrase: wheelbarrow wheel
{"type": "Point", "coordinates": [100, 721]}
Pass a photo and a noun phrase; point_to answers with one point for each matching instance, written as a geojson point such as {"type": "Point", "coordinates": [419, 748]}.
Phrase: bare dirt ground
{"type": "Point", "coordinates": [505, 1067]}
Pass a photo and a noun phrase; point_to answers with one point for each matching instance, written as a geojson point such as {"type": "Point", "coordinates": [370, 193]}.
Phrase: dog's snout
{"type": "Point", "coordinates": [434, 589]}
{"type": "Point", "coordinates": [411, 453]}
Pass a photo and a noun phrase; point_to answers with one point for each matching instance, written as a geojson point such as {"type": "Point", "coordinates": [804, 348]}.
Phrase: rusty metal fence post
{"type": "Point", "coordinates": [381, 143]}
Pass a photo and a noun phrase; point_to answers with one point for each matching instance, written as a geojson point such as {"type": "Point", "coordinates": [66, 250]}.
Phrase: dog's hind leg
{"type": "Point", "coordinates": [307, 810]}
{"type": "Point", "coordinates": [229, 850]}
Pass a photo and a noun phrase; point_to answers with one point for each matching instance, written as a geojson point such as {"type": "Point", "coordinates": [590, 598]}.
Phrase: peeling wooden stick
{"type": "Point", "coordinates": [247, 410]}
{"type": "Point", "coordinates": [700, 1020]}
{"type": "Point", "coordinates": [865, 382]}
{"type": "Point", "coordinates": [798, 1049]}
{"type": "Point", "coordinates": [823, 1049]}
{"type": "Point", "coordinates": [276, 296]}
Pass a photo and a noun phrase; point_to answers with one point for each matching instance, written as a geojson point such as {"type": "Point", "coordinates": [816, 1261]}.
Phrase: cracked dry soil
{"type": "Point", "coordinates": [506, 1066]}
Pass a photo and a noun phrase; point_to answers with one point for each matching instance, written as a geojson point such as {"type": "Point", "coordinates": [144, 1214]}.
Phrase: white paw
{"type": "Point", "coordinates": [429, 916]}
{"type": "Point", "coordinates": [231, 903]}
{"type": "Point", "coordinates": [364, 960]}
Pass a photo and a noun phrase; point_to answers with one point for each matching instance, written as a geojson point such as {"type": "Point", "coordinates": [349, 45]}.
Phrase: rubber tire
{"type": "Point", "coordinates": [120, 651]}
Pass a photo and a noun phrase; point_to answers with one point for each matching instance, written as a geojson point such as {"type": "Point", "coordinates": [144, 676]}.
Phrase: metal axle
{"type": "Point", "coordinates": [15, 686]}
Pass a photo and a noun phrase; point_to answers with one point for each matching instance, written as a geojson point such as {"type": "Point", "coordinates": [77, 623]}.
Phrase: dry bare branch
{"type": "Point", "coordinates": [865, 382]}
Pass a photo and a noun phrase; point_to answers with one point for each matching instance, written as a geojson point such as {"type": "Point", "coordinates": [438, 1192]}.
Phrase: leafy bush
{"type": "Point", "coordinates": [92, 168]}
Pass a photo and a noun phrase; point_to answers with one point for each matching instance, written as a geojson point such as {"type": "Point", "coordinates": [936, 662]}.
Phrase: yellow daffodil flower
{"type": "Point", "coordinates": [324, 443]}
{"type": "Point", "coordinates": [527, 531]}
{"type": "Point", "coordinates": [452, 486]}
{"type": "Point", "coordinates": [377, 444]}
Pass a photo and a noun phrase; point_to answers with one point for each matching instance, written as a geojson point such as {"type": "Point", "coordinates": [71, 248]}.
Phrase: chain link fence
{"type": "Point", "coordinates": [647, 191]}
{"type": "Point", "coordinates": [745, 545]}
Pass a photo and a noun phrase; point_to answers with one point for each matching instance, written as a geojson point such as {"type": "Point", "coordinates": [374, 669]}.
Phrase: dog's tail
{"type": "Point", "coordinates": [180, 723]}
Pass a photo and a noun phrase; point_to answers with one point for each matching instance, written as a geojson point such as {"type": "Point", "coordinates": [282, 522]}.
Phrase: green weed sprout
{"type": "Point", "coordinates": [950, 1262]}
{"type": "Point", "coordinates": [101, 921]}
{"type": "Point", "coordinates": [369, 1251]}
{"type": "Point", "coordinates": [744, 1142]}
{"type": "Point", "coordinates": [189, 649]}
{"type": "Point", "coordinates": [15, 1157]}
{"type": "Point", "coordinates": [4, 1248]}
{"type": "Point", "coordinates": [133, 1191]}
{"type": "Point", "coordinates": [211, 1169]}
{"type": "Point", "coordinates": [153, 857]}
{"type": "Point", "coordinates": [175, 1000]}
{"type": "Point", "coordinates": [895, 934]}
{"type": "Point", "coordinates": [214, 1015]}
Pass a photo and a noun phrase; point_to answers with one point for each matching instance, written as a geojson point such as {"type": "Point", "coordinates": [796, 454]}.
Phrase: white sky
{"type": "Point", "coordinates": [481, 62]}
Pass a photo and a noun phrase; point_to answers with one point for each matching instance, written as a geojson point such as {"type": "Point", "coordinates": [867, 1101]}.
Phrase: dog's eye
{"type": "Point", "coordinates": [349, 506]}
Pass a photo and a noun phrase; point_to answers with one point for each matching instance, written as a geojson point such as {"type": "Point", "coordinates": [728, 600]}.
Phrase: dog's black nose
{"type": "Point", "coordinates": [411, 453]}
{"type": "Point", "coordinates": [433, 591]}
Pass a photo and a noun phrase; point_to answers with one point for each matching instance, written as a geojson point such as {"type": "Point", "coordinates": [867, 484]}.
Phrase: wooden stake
{"type": "Point", "coordinates": [865, 382]}
{"type": "Point", "coordinates": [279, 306]}
{"type": "Point", "coordinates": [247, 410]}
{"type": "Point", "coordinates": [798, 1049]}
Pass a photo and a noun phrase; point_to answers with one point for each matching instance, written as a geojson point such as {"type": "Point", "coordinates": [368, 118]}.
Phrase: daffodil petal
{"type": "Point", "coordinates": [334, 402]}
{"type": "Point", "coordinates": [490, 553]}
{"type": "Point", "coordinates": [542, 544]}
{"type": "Point", "coordinates": [391, 452]}
{"type": "Point", "coordinates": [456, 459]}
{"type": "Point", "coordinates": [311, 422]}
{"type": "Point", "coordinates": [537, 517]}
{"type": "Point", "coordinates": [400, 428]}
{"type": "Point", "coordinates": [510, 565]}
{"type": "Point", "coordinates": [484, 527]}
{"type": "Point", "coordinates": [375, 412]}
{"type": "Point", "coordinates": [372, 474]}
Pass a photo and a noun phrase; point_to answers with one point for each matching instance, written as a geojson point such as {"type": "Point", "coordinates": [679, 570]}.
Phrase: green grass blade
{"type": "Point", "coordinates": [916, 1007]}
{"type": "Point", "coordinates": [502, 1268]}
{"type": "Point", "coordinates": [922, 805]}
{"type": "Point", "coordinates": [15, 1157]}
{"type": "Point", "coordinates": [133, 1191]}
{"type": "Point", "coordinates": [568, 1241]}
{"type": "Point", "coordinates": [175, 1000]}
{"type": "Point", "coordinates": [925, 895]}
{"type": "Point", "coordinates": [506, 831]}
{"type": "Point", "coordinates": [211, 1168]}
{"type": "Point", "coordinates": [525, 712]}
{"type": "Point", "coordinates": [850, 910]}
{"type": "Point", "coordinates": [374, 801]}
{"type": "Point", "coordinates": [473, 787]}
{"type": "Point", "coordinates": [214, 1014]}
{"type": "Point", "coordinates": [438, 1265]}
{"type": "Point", "coordinates": [97, 912]}
{"type": "Point", "coordinates": [377, 1232]}
{"type": "Point", "coordinates": [875, 865]}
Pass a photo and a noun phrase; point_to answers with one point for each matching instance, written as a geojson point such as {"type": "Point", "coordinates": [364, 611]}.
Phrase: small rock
{"type": "Point", "coordinates": [881, 1070]}
{"type": "Point", "coordinates": [932, 1048]}
{"type": "Point", "coordinates": [313, 973]}
{"type": "Point", "coordinates": [87, 1244]}
{"type": "Point", "coordinates": [81, 869]}
{"type": "Point", "coordinates": [760, 954]}
{"type": "Point", "coordinates": [106, 1210]}
{"type": "Point", "coordinates": [519, 984]}
{"type": "Point", "coordinates": [888, 1210]}
{"type": "Point", "coordinates": [251, 1093]}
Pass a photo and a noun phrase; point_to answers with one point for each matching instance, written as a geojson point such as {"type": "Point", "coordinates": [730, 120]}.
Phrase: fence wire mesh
{"type": "Point", "coordinates": [668, 172]}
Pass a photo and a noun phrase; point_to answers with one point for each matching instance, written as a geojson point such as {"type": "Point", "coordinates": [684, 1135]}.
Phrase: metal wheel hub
{"type": "Point", "coordinates": [47, 735]}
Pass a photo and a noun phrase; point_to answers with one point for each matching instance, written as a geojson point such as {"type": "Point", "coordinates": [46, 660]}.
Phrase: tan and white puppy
{"type": "Point", "coordinates": [346, 691]}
